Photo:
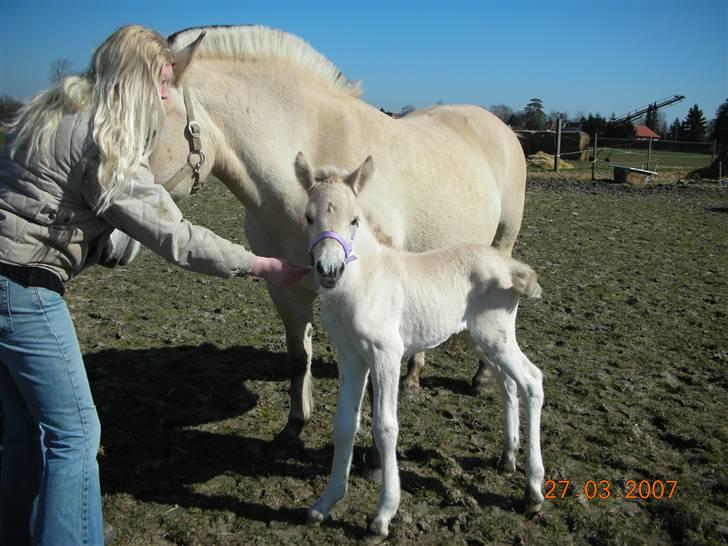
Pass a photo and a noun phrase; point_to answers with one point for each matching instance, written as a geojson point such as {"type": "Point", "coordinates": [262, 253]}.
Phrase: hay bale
{"type": "Point", "coordinates": [546, 161]}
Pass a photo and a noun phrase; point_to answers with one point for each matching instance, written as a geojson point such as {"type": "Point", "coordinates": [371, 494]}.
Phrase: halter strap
{"type": "Point", "coordinates": [196, 157]}
{"type": "Point", "coordinates": [348, 246]}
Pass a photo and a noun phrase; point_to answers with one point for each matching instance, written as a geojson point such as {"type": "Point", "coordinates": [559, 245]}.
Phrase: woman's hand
{"type": "Point", "coordinates": [278, 272]}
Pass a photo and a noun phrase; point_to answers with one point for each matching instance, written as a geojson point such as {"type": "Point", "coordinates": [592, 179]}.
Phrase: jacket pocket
{"type": "Point", "coordinates": [6, 320]}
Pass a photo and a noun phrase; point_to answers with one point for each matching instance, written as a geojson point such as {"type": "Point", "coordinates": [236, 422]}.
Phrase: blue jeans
{"type": "Point", "coordinates": [49, 481]}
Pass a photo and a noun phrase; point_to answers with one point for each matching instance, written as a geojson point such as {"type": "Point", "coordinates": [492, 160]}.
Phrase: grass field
{"type": "Point", "coordinates": [670, 166]}
{"type": "Point", "coordinates": [189, 377]}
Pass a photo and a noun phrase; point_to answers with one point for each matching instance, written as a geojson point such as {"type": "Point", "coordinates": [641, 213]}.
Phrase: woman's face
{"type": "Point", "coordinates": [167, 73]}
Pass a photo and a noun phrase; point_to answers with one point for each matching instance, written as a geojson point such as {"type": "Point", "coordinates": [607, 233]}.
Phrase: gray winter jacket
{"type": "Point", "coordinates": [47, 221]}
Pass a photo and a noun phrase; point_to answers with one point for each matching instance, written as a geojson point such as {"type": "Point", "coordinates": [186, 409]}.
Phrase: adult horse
{"type": "Point", "coordinates": [448, 174]}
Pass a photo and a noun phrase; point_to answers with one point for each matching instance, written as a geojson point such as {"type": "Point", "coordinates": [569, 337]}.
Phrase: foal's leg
{"type": "Point", "coordinates": [509, 393]}
{"type": "Point", "coordinates": [507, 355]}
{"type": "Point", "coordinates": [528, 379]}
{"type": "Point", "coordinates": [385, 379]}
{"type": "Point", "coordinates": [352, 378]}
{"type": "Point", "coordinates": [533, 499]}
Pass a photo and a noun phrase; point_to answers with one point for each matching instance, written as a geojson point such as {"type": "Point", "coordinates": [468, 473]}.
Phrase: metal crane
{"type": "Point", "coordinates": [634, 114]}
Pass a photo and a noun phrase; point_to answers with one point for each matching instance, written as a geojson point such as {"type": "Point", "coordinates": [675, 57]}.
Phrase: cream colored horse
{"type": "Point", "coordinates": [379, 304]}
{"type": "Point", "coordinates": [447, 174]}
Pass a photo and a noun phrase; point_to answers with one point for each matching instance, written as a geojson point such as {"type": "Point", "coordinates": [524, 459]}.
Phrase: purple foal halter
{"type": "Point", "coordinates": [348, 246]}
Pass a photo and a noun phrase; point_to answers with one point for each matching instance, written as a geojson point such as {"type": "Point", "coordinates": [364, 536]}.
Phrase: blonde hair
{"type": "Point", "coordinates": [121, 89]}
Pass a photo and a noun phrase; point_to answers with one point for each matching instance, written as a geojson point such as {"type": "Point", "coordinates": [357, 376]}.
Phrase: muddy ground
{"type": "Point", "coordinates": [189, 375]}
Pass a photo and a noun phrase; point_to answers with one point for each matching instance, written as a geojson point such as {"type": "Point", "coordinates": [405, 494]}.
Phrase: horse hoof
{"type": "Point", "coordinates": [478, 388]}
{"type": "Point", "coordinates": [379, 528]}
{"type": "Point", "coordinates": [506, 465]}
{"type": "Point", "coordinates": [315, 517]}
{"type": "Point", "coordinates": [288, 438]}
{"type": "Point", "coordinates": [410, 391]}
{"type": "Point", "coordinates": [532, 502]}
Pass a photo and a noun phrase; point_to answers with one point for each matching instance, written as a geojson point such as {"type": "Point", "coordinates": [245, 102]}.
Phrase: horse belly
{"type": "Point", "coordinates": [424, 329]}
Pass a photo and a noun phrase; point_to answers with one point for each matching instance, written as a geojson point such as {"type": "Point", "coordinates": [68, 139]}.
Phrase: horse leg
{"type": "Point", "coordinates": [385, 379]}
{"type": "Point", "coordinates": [295, 308]}
{"type": "Point", "coordinates": [352, 378]}
{"type": "Point", "coordinates": [480, 379]}
{"type": "Point", "coordinates": [411, 381]}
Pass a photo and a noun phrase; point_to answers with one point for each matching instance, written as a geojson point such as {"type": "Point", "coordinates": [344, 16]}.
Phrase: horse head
{"type": "Point", "coordinates": [332, 216]}
{"type": "Point", "coordinates": [184, 155]}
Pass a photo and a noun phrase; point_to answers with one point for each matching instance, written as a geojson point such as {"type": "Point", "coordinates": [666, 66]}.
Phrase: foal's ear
{"type": "Point", "coordinates": [303, 172]}
{"type": "Point", "coordinates": [358, 179]}
{"type": "Point", "coordinates": [182, 59]}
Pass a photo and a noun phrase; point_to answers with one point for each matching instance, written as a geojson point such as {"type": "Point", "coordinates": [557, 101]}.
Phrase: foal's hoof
{"type": "Point", "coordinates": [315, 517]}
{"type": "Point", "coordinates": [532, 502]}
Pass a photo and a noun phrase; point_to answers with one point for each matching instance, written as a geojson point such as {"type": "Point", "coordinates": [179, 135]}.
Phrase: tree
{"type": "Point", "coordinates": [533, 115]}
{"type": "Point", "coordinates": [516, 120]}
{"type": "Point", "coordinates": [501, 111]}
{"type": "Point", "coordinates": [693, 126]}
{"type": "Point", "coordinates": [719, 132]}
{"type": "Point", "coordinates": [675, 132]}
{"type": "Point", "coordinates": [553, 115]}
{"type": "Point", "coordinates": [60, 68]}
{"type": "Point", "coordinates": [616, 128]}
{"type": "Point", "coordinates": [651, 117]}
{"type": "Point", "coordinates": [594, 124]}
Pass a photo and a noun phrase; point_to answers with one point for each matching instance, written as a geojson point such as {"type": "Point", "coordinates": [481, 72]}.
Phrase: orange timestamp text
{"type": "Point", "coordinates": [604, 489]}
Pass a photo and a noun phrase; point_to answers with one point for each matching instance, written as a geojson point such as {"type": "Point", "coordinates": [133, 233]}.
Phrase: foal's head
{"type": "Point", "coordinates": [332, 215]}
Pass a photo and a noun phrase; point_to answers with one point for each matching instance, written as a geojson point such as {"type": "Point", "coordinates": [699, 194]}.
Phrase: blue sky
{"type": "Point", "coordinates": [576, 56]}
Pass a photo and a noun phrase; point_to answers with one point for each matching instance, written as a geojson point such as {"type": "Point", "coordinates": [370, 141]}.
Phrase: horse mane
{"type": "Point", "coordinates": [255, 42]}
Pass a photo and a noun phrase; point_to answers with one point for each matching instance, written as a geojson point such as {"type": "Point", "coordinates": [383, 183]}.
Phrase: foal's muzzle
{"type": "Point", "coordinates": [329, 277]}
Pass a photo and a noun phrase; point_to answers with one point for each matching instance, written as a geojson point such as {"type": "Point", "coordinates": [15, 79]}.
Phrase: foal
{"type": "Point", "coordinates": [390, 303]}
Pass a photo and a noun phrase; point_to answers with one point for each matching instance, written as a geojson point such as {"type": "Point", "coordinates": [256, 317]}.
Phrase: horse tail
{"type": "Point", "coordinates": [525, 280]}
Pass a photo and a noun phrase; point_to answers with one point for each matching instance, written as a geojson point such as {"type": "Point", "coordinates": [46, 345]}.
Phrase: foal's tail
{"type": "Point", "coordinates": [525, 280]}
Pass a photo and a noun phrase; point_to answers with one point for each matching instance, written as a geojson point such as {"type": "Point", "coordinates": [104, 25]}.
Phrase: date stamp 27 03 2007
{"type": "Point", "coordinates": [605, 489]}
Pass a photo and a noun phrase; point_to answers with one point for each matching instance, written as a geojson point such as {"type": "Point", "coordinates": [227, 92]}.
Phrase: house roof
{"type": "Point", "coordinates": [642, 131]}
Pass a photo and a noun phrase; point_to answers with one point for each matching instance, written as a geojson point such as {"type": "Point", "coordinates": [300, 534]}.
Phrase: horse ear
{"type": "Point", "coordinates": [303, 172]}
{"type": "Point", "coordinates": [358, 179]}
{"type": "Point", "coordinates": [182, 59]}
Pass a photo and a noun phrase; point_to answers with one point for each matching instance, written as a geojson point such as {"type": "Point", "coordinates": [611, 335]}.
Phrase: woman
{"type": "Point", "coordinates": [75, 168]}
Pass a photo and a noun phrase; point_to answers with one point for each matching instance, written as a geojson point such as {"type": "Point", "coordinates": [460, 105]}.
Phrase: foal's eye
{"type": "Point", "coordinates": [309, 220]}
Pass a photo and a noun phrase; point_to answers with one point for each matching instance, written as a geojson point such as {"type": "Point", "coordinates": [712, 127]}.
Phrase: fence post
{"type": "Point", "coordinates": [649, 154]}
{"type": "Point", "coordinates": [714, 151]}
{"type": "Point", "coordinates": [594, 156]}
{"type": "Point", "coordinates": [558, 145]}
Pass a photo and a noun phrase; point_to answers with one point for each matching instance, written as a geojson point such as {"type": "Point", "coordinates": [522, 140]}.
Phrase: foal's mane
{"type": "Point", "coordinates": [254, 43]}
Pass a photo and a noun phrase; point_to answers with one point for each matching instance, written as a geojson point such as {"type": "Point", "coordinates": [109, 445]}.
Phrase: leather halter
{"type": "Point", "coordinates": [196, 157]}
